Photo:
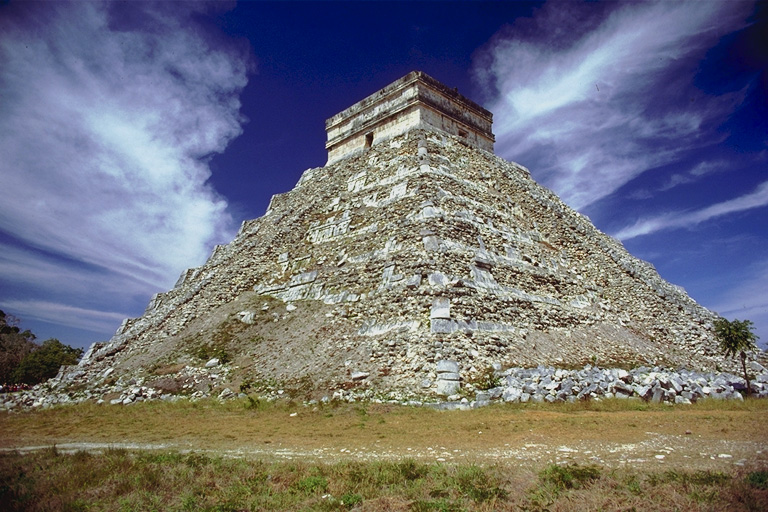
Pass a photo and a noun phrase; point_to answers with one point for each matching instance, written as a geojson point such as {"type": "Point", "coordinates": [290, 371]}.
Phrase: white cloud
{"type": "Point", "coordinates": [51, 277]}
{"type": "Point", "coordinates": [756, 199]}
{"type": "Point", "coordinates": [693, 175]}
{"type": "Point", "coordinates": [709, 167]}
{"type": "Point", "coordinates": [748, 300]}
{"type": "Point", "coordinates": [105, 128]}
{"type": "Point", "coordinates": [696, 173]}
{"type": "Point", "coordinates": [589, 109]}
{"type": "Point", "coordinates": [63, 314]}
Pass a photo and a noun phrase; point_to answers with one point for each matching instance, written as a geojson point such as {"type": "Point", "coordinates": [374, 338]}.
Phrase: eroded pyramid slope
{"type": "Point", "coordinates": [419, 249]}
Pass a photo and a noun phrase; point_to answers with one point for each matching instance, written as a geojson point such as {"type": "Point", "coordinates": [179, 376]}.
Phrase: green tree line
{"type": "Point", "coordinates": [24, 361]}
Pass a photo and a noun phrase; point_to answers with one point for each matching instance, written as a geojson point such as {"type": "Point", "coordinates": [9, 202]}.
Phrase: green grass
{"type": "Point", "coordinates": [121, 480]}
{"type": "Point", "coordinates": [170, 480]}
{"type": "Point", "coordinates": [572, 476]}
{"type": "Point", "coordinates": [758, 479]}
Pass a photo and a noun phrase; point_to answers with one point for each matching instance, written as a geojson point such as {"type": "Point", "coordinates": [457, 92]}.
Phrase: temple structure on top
{"type": "Point", "coordinates": [415, 101]}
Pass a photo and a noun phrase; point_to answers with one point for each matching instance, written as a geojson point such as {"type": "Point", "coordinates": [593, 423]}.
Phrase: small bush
{"type": "Point", "coordinates": [689, 478]}
{"type": "Point", "coordinates": [409, 469]}
{"type": "Point", "coordinates": [572, 476]}
{"type": "Point", "coordinates": [246, 385]}
{"type": "Point", "coordinates": [475, 483]}
{"type": "Point", "coordinates": [312, 484]}
{"type": "Point", "coordinates": [486, 379]}
{"type": "Point", "coordinates": [351, 499]}
{"type": "Point", "coordinates": [758, 479]}
{"type": "Point", "coordinates": [206, 352]}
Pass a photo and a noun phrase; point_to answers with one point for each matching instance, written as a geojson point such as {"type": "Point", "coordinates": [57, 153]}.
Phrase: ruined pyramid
{"type": "Point", "coordinates": [414, 244]}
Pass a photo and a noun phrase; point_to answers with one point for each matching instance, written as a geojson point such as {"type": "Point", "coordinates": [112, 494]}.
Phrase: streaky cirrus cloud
{"type": "Point", "coordinates": [58, 279]}
{"type": "Point", "coordinates": [109, 114]}
{"type": "Point", "coordinates": [755, 199]}
{"type": "Point", "coordinates": [609, 94]}
{"type": "Point", "coordinates": [748, 299]}
{"type": "Point", "coordinates": [93, 320]}
{"type": "Point", "coordinates": [692, 175]}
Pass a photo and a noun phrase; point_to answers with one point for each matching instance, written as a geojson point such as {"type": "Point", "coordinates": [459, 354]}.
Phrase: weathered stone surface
{"type": "Point", "coordinates": [445, 366]}
{"type": "Point", "coordinates": [418, 100]}
{"type": "Point", "coordinates": [444, 249]}
{"type": "Point", "coordinates": [447, 387]}
{"type": "Point", "coordinates": [247, 317]}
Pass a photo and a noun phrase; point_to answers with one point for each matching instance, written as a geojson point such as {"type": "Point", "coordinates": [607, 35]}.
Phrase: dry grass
{"type": "Point", "coordinates": [367, 457]}
{"type": "Point", "coordinates": [119, 480]}
{"type": "Point", "coordinates": [606, 430]}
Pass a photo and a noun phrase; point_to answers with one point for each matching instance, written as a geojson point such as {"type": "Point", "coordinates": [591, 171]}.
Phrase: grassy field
{"type": "Point", "coordinates": [250, 455]}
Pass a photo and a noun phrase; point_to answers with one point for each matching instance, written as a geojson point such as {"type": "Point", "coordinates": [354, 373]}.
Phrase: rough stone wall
{"type": "Point", "coordinates": [415, 101]}
{"type": "Point", "coordinates": [429, 249]}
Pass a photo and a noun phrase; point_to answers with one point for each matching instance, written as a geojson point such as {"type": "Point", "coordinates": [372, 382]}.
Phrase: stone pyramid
{"type": "Point", "coordinates": [414, 244]}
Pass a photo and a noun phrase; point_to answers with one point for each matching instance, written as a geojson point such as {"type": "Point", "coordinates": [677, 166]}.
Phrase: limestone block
{"type": "Point", "coordinates": [247, 317]}
{"type": "Point", "coordinates": [446, 366]}
{"type": "Point", "coordinates": [376, 329]}
{"type": "Point", "coordinates": [482, 396]}
{"type": "Point", "coordinates": [442, 326]}
{"type": "Point", "coordinates": [399, 190]}
{"type": "Point", "coordinates": [441, 308]}
{"type": "Point", "coordinates": [447, 387]}
{"type": "Point", "coordinates": [483, 279]}
{"type": "Point", "coordinates": [437, 279]}
{"type": "Point", "coordinates": [431, 243]}
{"type": "Point", "coordinates": [414, 281]}
{"type": "Point", "coordinates": [303, 278]}
{"type": "Point", "coordinates": [356, 182]}
{"type": "Point", "coordinates": [429, 211]}
{"type": "Point", "coordinates": [483, 260]}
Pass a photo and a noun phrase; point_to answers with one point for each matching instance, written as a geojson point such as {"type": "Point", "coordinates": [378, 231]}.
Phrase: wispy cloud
{"type": "Point", "coordinates": [62, 314]}
{"type": "Point", "coordinates": [52, 277]}
{"type": "Point", "coordinates": [104, 135]}
{"type": "Point", "coordinates": [748, 300]}
{"type": "Point", "coordinates": [699, 171]}
{"type": "Point", "coordinates": [756, 199]}
{"type": "Point", "coordinates": [607, 96]}
{"type": "Point", "coordinates": [109, 115]}
{"type": "Point", "coordinates": [696, 173]}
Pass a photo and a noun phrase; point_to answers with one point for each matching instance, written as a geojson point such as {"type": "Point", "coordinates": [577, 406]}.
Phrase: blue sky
{"type": "Point", "coordinates": [135, 136]}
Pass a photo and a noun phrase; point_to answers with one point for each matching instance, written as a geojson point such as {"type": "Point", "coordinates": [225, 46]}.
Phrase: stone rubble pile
{"type": "Point", "coordinates": [190, 382]}
{"type": "Point", "coordinates": [514, 385]}
{"type": "Point", "coordinates": [547, 384]}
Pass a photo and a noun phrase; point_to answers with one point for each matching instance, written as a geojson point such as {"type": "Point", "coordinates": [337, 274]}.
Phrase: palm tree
{"type": "Point", "coordinates": [736, 337]}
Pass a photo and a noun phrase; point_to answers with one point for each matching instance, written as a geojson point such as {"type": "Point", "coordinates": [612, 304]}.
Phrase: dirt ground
{"type": "Point", "coordinates": [714, 436]}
